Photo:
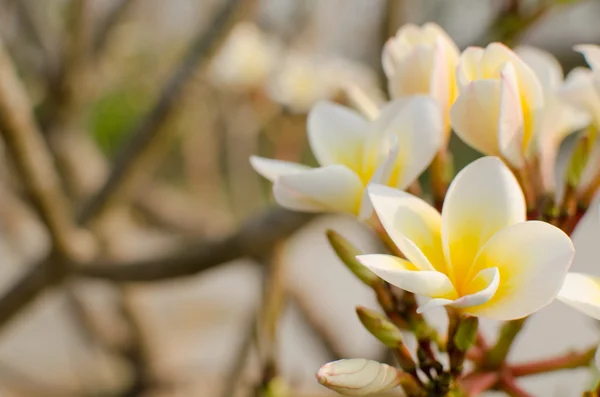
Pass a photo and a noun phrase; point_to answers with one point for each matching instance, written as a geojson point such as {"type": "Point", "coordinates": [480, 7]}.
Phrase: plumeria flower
{"type": "Point", "coordinates": [352, 152]}
{"type": "Point", "coordinates": [423, 60]}
{"type": "Point", "coordinates": [303, 79]}
{"type": "Point", "coordinates": [558, 119]}
{"type": "Point", "coordinates": [582, 85]}
{"type": "Point", "coordinates": [247, 58]}
{"type": "Point", "coordinates": [499, 108]}
{"type": "Point", "coordinates": [480, 255]}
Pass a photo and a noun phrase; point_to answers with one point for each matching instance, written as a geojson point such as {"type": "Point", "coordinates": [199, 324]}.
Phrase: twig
{"type": "Point", "coordinates": [319, 330]}
{"type": "Point", "coordinates": [34, 162]}
{"type": "Point", "coordinates": [27, 288]}
{"type": "Point", "coordinates": [107, 25]}
{"type": "Point", "coordinates": [231, 379]}
{"type": "Point", "coordinates": [127, 166]}
{"type": "Point", "coordinates": [254, 239]}
{"type": "Point", "coordinates": [476, 383]}
{"type": "Point", "coordinates": [509, 385]}
{"type": "Point", "coordinates": [568, 361]}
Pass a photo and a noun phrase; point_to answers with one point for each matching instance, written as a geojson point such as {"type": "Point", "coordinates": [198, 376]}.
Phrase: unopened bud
{"type": "Point", "coordinates": [466, 333]}
{"type": "Point", "coordinates": [580, 156]}
{"type": "Point", "coordinates": [359, 377]}
{"type": "Point", "coordinates": [380, 326]}
{"type": "Point", "coordinates": [347, 254]}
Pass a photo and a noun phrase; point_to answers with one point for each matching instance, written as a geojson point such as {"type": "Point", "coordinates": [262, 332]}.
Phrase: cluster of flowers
{"type": "Point", "coordinates": [495, 243]}
{"type": "Point", "coordinates": [253, 61]}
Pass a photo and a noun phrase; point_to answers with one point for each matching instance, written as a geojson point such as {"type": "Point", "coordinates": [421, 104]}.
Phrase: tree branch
{"type": "Point", "coordinates": [111, 20]}
{"type": "Point", "coordinates": [254, 239]}
{"type": "Point", "coordinates": [34, 161]}
{"type": "Point", "coordinates": [126, 167]}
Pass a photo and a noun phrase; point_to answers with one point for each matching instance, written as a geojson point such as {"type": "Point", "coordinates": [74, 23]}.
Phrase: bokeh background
{"type": "Point", "coordinates": [150, 110]}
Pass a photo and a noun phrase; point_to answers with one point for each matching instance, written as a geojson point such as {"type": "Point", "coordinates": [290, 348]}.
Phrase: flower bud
{"type": "Point", "coordinates": [378, 325]}
{"type": "Point", "coordinates": [359, 377]}
{"type": "Point", "coordinates": [347, 254]}
{"type": "Point", "coordinates": [466, 333]}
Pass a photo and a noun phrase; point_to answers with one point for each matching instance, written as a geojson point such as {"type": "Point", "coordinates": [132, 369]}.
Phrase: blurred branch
{"type": "Point", "coordinates": [34, 161]}
{"type": "Point", "coordinates": [254, 239]}
{"type": "Point", "coordinates": [327, 341]}
{"type": "Point", "coordinates": [128, 161]}
{"type": "Point", "coordinates": [28, 287]}
{"type": "Point", "coordinates": [107, 25]}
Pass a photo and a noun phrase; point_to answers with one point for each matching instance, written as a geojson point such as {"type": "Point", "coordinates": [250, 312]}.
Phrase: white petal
{"type": "Point", "coordinates": [273, 169]}
{"type": "Point", "coordinates": [483, 286]}
{"type": "Point", "coordinates": [510, 119]}
{"type": "Point", "coordinates": [381, 175]}
{"type": "Point", "coordinates": [483, 199]}
{"type": "Point", "coordinates": [582, 292]}
{"type": "Point", "coordinates": [591, 53]}
{"type": "Point", "coordinates": [412, 74]}
{"type": "Point", "coordinates": [412, 224]}
{"type": "Point", "coordinates": [416, 123]}
{"type": "Point", "coordinates": [405, 275]}
{"type": "Point", "coordinates": [578, 90]}
{"type": "Point", "coordinates": [332, 188]}
{"type": "Point", "coordinates": [533, 259]}
{"type": "Point", "coordinates": [474, 115]}
{"type": "Point", "coordinates": [544, 64]}
{"type": "Point", "coordinates": [358, 376]}
{"type": "Point", "coordinates": [469, 66]}
{"type": "Point", "coordinates": [336, 135]}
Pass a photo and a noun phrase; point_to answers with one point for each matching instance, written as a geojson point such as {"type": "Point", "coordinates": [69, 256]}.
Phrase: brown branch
{"type": "Point", "coordinates": [27, 288]}
{"type": "Point", "coordinates": [254, 239]}
{"type": "Point", "coordinates": [127, 168]}
{"type": "Point", "coordinates": [34, 161]}
{"type": "Point", "coordinates": [102, 36]}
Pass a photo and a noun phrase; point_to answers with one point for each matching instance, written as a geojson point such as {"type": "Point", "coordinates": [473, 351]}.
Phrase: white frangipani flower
{"type": "Point", "coordinates": [246, 59]}
{"type": "Point", "coordinates": [422, 60]}
{"type": "Point", "coordinates": [480, 255]}
{"type": "Point", "coordinates": [499, 107]}
{"type": "Point", "coordinates": [304, 79]}
{"type": "Point", "coordinates": [393, 150]}
{"type": "Point", "coordinates": [358, 377]}
{"type": "Point", "coordinates": [558, 118]}
{"type": "Point", "coordinates": [582, 85]}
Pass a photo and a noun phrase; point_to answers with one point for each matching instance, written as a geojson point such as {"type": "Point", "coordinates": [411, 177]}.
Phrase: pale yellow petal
{"type": "Point", "coordinates": [413, 225]}
{"type": "Point", "coordinates": [533, 259]}
{"type": "Point", "coordinates": [582, 292]}
{"type": "Point", "coordinates": [481, 290]}
{"type": "Point", "coordinates": [474, 115]}
{"type": "Point", "coordinates": [332, 188]}
{"type": "Point", "coordinates": [511, 133]}
{"type": "Point", "coordinates": [483, 199]}
{"type": "Point", "coordinates": [469, 66]}
{"type": "Point", "coordinates": [405, 275]}
{"type": "Point", "coordinates": [591, 53]}
{"type": "Point", "coordinates": [273, 169]}
{"type": "Point", "coordinates": [545, 66]}
{"type": "Point", "coordinates": [336, 135]}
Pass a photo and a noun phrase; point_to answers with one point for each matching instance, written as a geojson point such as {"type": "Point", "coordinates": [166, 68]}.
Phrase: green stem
{"type": "Point", "coordinates": [497, 355]}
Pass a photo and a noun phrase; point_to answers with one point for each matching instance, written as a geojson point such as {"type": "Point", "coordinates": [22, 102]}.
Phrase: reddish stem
{"type": "Point", "coordinates": [509, 385]}
{"type": "Point", "coordinates": [477, 382]}
{"type": "Point", "coordinates": [568, 361]}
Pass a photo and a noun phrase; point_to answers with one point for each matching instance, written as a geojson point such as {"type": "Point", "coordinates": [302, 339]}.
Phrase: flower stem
{"type": "Point", "coordinates": [441, 172]}
{"type": "Point", "coordinates": [567, 361]}
{"type": "Point", "coordinates": [509, 385]}
{"type": "Point", "coordinates": [476, 383]}
{"type": "Point", "coordinates": [509, 331]}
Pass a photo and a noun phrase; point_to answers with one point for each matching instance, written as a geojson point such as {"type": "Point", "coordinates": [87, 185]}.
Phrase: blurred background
{"type": "Point", "coordinates": [141, 254]}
